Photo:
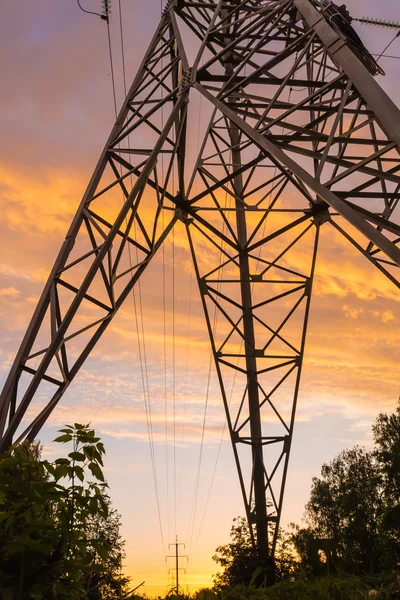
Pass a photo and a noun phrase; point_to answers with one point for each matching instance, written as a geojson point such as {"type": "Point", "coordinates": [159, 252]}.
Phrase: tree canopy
{"type": "Point", "coordinates": [356, 502]}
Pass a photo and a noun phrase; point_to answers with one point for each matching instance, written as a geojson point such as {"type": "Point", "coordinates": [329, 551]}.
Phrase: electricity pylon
{"type": "Point", "coordinates": [300, 136]}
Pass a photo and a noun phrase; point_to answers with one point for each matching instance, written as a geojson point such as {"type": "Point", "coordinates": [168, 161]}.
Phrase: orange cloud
{"type": "Point", "coordinates": [9, 292]}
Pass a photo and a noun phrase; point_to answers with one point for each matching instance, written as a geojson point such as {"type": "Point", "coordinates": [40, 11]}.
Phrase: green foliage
{"type": "Point", "coordinates": [356, 502]}
{"type": "Point", "coordinates": [242, 564]}
{"type": "Point", "coordinates": [239, 558]}
{"type": "Point", "coordinates": [58, 536]}
{"type": "Point", "coordinates": [345, 505]}
{"type": "Point", "coordinates": [105, 580]}
{"type": "Point", "coordinates": [386, 431]}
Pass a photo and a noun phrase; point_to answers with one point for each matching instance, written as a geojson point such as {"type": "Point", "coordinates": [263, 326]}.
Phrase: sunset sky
{"type": "Point", "coordinates": [56, 113]}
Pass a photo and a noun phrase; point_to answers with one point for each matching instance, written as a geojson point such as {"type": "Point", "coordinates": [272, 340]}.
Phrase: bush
{"type": "Point", "coordinates": [58, 537]}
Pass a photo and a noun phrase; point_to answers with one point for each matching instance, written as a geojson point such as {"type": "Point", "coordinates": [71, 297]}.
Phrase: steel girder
{"type": "Point", "coordinates": [300, 134]}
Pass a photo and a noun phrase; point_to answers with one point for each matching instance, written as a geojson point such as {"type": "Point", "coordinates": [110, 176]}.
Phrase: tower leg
{"type": "Point", "coordinates": [114, 235]}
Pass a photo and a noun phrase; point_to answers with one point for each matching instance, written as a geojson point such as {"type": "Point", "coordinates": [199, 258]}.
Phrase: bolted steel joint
{"type": "Point", "coordinates": [186, 80]}
{"type": "Point", "coordinates": [183, 215]}
{"type": "Point", "coordinates": [320, 213]}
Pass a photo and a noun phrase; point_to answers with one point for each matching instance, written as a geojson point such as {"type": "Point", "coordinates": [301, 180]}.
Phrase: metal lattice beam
{"type": "Point", "coordinates": [300, 134]}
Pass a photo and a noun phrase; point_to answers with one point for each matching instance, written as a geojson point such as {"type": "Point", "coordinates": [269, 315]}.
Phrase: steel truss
{"type": "Point", "coordinates": [300, 134]}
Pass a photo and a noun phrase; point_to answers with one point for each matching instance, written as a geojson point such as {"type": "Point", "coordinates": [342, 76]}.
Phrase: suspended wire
{"type": "Point", "coordinates": [210, 487]}
{"type": "Point", "coordinates": [386, 56]}
{"type": "Point", "coordinates": [194, 502]}
{"type": "Point", "coordinates": [142, 351]}
{"type": "Point", "coordinates": [192, 518]}
{"type": "Point", "coordinates": [192, 521]}
{"type": "Point", "coordinates": [188, 333]}
{"type": "Point", "coordinates": [112, 69]}
{"type": "Point", "coordinates": [174, 352]}
{"type": "Point", "coordinates": [218, 455]}
{"type": "Point", "coordinates": [173, 367]}
{"type": "Point", "coordinates": [165, 363]}
{"type": "Point", "coordinates": [89, 12]}
{"type": "Point", "coordinates": [389, 44]}
{"type": "Point", "coordinates": [151, 438]}
{"type": "Point", "coordinates": [146, 396]}
{"type": "Point", "coordinates": [150, 423]}
{"type": "Point", "coordinates": [215, 320]}
{"type": "Point", "coordinates": [200, 459]}
{"type": "Point", "coordinates": [121, 37]}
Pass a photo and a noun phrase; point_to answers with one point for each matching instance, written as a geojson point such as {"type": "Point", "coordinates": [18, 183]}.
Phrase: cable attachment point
{"type": "Point", "coordinates": [106, 6]}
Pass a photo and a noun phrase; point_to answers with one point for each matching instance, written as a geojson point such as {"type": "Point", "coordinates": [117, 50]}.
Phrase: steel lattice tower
{"type": "Point", "coordinates": [300, 136]}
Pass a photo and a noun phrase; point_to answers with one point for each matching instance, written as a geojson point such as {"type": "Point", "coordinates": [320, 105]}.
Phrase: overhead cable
{"type": "Point", "coordinates": [139, 328]}
{"type": "Point", "coordinates": [106, 10]}
{"type": "Point", "coordinates": [389, 44]}
{"type": "Point", "coordinates": [173, 364]}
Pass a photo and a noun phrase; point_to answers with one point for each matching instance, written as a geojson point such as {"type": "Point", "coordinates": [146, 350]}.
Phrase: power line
{"type": "Point", "coordinates": [173, 366]}
{"type": "Point", "coordinates": [210, 488]}
{"type": "Point", "coordinates": [389, 44]}
{"type": "Point", "coordinates": [165, 363]}
{"type": "Point", "coordinates": [112, 68]}
{"type": "Point", "coordinates": [197, 484]}
{"type": "Point", "coordinates": [165, 322]}
{"type": "Point", "coordinates": [121, 34]}
{"type": "Point", "coordinates": [89, 12]}
{"type": "Point", "coordinates": [214, 328]}
{"type": "Point", "coordinates": [142, 351]}
{"type": "Point", "coordinates": [386, 56]}
{"type": "Point", "coordinates": [188, 335]}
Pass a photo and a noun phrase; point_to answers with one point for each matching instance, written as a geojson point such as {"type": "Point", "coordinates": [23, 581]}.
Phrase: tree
{"type": "Point", "coordinates": [106, 580]}
{"type": "Point", "coordinates": [386, 432]}
{"type": "Point", "coordinates": [356, 502]}
{"type": "Point", "coordinates": [239, 559]}
{"type": "Point", "coordinates": [242, 564]}
{"type": "Point", "coordinates": [345, 505]}
{"type": "Point", "coordinates": [309, 562]}
{"type": "Point", "coordinates": [54, 524]}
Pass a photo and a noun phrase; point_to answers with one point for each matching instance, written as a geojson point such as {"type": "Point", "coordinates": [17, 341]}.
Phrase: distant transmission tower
{"type": "Point", "coordinates": [300, 136]}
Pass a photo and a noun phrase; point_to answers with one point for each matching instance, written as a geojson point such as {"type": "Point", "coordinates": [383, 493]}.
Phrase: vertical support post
{"type": "Point", "coordinates": [260, 509]}
{"type": "Point", "coordinates": [251, 361]}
